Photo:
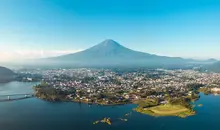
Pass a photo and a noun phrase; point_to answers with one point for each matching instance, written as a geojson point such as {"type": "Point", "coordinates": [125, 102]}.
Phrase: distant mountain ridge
{"type": "Point", "coordinates": [215, 67]}
{"type": "Point", "coordinates": [212, 60]}
{"type": "Point", "coordinates": [111, 53]}
{"type": "Point", "coordinates": [6, 74]}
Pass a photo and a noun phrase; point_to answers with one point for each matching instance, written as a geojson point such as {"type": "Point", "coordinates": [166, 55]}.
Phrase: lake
{"type": "Point", "coordinates": [36, 114]}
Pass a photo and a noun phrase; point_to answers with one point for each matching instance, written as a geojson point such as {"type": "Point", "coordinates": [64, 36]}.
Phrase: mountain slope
{"type": "Point", "coordinates": [111, 53]}
{"type": "Point", "coordinates": [215, 67]}
{"type": "Point", "coordinates": [106, 49]}
{"type": "Point", "coordinates": [6, 74]}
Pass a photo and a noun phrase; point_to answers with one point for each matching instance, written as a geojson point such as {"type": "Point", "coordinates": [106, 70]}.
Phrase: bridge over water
{"type": "Point", "coordinates": [13, 97]}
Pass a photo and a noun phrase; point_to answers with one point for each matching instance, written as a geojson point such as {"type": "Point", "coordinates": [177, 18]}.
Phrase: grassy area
{"type": "Point", "coordinates": [166, 110]}
{"type": "Point", "coordinates": [148, 103]}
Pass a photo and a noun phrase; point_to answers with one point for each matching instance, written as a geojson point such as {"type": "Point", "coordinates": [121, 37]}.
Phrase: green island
{"type": "Point", "coordinates": [104, 120]}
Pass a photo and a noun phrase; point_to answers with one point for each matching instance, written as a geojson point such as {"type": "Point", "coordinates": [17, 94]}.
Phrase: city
{"type": "Point", "coordinates": [116, 87]}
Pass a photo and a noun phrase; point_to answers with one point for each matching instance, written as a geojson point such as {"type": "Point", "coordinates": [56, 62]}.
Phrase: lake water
{"type": "Point", "coordinates": [36, 114]}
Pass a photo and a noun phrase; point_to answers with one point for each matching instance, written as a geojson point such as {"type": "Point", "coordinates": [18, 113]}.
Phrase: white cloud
{"type": "Point", "coordinates": [16, 55]}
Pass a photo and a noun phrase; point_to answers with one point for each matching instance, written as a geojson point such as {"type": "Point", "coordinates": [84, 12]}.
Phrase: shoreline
{"type": "Point", "coordinates": [85, 102]}
{"type": "Point", "coordinates": [181, 107]}
{"type": "Point", "coordinates": [148, 111]}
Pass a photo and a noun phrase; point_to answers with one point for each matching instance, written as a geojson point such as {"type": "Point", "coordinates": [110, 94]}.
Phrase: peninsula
{"type": "Point", "coordinates": [157, 92]}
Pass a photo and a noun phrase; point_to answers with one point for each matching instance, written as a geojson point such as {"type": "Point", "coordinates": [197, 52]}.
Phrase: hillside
{"type": "Point", "coordinates": [215, 67]}
{"type": "Point", "coordinates": [6, 75]}
{"type": "Point", "coordinates": [111, 53]}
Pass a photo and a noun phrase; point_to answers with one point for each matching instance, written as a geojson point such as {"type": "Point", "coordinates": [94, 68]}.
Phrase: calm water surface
{"type": "Point", "coordinates": [36, 114]}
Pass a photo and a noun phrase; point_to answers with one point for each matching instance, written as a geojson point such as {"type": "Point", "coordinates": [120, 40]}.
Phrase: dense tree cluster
{"type": "Point", "coordinates": [47, 92]}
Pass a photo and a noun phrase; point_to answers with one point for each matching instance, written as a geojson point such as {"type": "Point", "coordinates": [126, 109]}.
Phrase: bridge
{"type": "Point", "coordinates": [13, 97]}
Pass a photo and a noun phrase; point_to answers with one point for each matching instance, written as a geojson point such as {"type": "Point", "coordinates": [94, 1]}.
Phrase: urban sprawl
{"type": "Point", "coordinates": [110, 87]}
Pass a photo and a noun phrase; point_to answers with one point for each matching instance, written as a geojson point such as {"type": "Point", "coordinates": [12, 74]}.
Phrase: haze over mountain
{"type": "Point", "coordinates": [6, 74]}
{"type": "Point", "coordinates": [106, 50]}
{"type": "Point", "coordinates": [109, 53]}
{"type": "Point", "coordinates": [215, 67]}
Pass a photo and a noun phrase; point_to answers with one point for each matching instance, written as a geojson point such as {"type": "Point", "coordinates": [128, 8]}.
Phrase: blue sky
{"type": "Point", "coordinates": [42, 28]}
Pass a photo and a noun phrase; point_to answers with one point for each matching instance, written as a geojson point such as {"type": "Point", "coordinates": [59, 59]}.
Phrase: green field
{"type": "Point", "coordinates": [166, 110]}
